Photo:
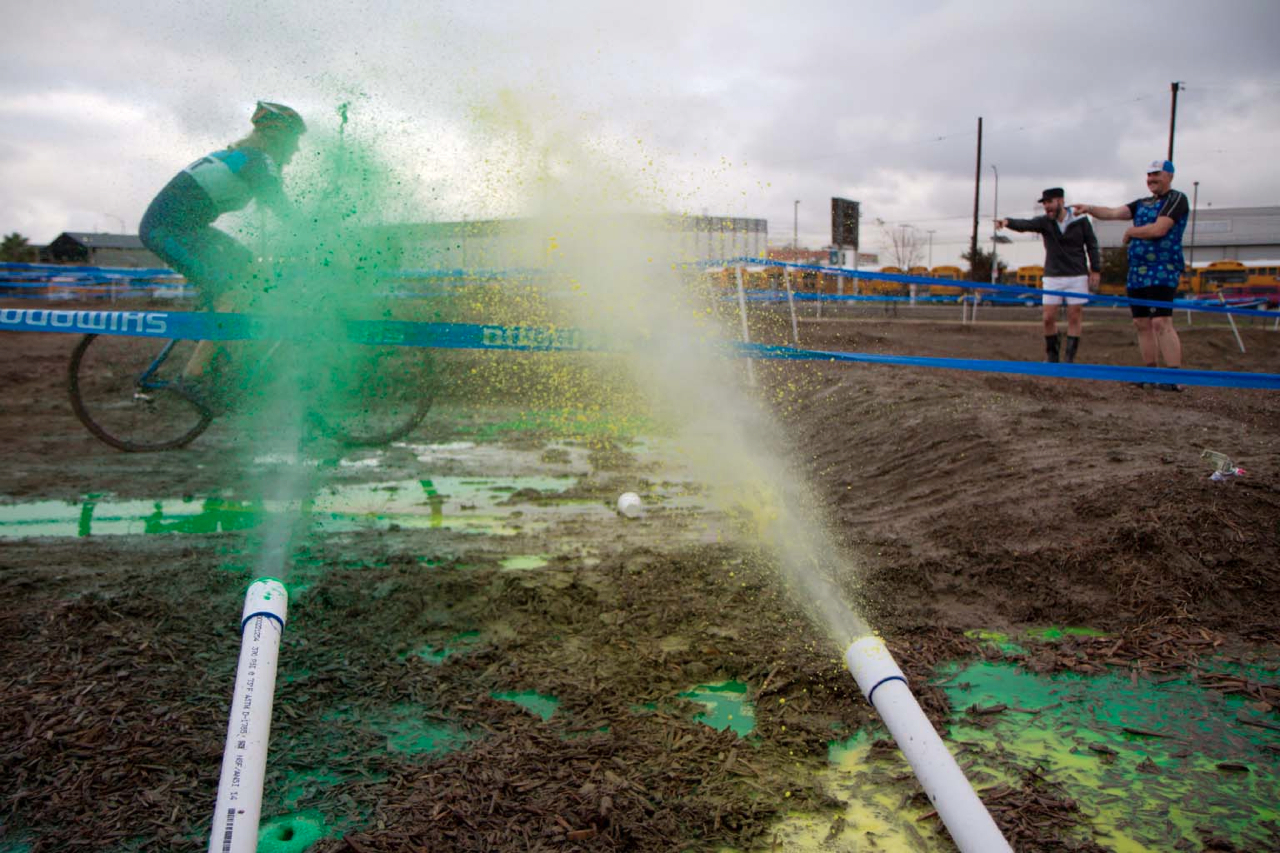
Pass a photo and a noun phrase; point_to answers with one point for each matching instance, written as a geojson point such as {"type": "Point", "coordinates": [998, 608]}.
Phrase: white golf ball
{"type": "Point", "coordinates": [629, 504]}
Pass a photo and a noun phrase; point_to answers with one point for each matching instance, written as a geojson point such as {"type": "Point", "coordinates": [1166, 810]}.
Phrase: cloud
{"type": "Point", "coordinates": [729, 107]}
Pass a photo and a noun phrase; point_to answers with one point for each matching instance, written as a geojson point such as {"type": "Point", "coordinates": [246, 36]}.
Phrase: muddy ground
{"type": "Point", "coordinates": [966, 502]}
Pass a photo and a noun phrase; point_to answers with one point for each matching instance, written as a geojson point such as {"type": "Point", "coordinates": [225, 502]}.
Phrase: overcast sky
{"type": "Point", "coordinates": [727, 108]}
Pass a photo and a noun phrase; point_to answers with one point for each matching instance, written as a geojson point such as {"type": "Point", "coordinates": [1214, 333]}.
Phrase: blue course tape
{"type": "Point", "coordinates": [195, 325]}
{"type": "Point", "coordinates": [1103, 372]}
{"type": "Point", "coordinates": [198, 325]}
{"type": "Point", "coordinates": [902, 278]}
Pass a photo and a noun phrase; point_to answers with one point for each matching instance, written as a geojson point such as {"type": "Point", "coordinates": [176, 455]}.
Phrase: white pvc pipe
{"type": "Point", "coordinates": [884, 685]}
{"type": "Point", "coordinates": [244, 758]}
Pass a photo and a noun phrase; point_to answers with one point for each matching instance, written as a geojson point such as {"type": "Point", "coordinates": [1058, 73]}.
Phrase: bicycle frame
{"type": "Point", "coordinates": [145, 382]}
{"type": "Point", "coordinates": [144, 379]}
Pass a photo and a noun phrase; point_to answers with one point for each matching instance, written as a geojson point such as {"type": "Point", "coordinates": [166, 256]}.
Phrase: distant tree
{"type": "Point", "coordinates": [906, 244]}
{"type": "Point", "coordinates": [980, 266]}
{"type": "Point", "coordinates": [15, 249]}
{"type": "Point", "coordinates": [1115, 265]}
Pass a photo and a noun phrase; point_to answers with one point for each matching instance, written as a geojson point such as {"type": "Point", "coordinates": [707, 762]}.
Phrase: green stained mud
{"type": "Point", "coordinates": [470, 504]}
{"type": "Point", "coordinates": [531, 701]}
{"type": "Point", "coordinates": [1055, 632]}
{"type": "Point", "coordinates": [293, 833]}
{"type": "Point", "coordinates": [408, 728]}
{"type": "Point", "coordinates": [290, 676]}
{"type": "Point", "coordinates": [727, 706]}
{"type": "Point", "coordinates": [1152, 766]}
{"type": "Point", "coordinates": [996, 638]}
{"type": "Point", "coordinates": [1010, 645]}
{"type": "Point", "coordinates": [458, 644]}
{"type": "Point", "coordinates": [522, 562]}
{"type": "Point", "coordinates": [417, 736]}
{"type": "Point", "coordinates": [1151, 761]}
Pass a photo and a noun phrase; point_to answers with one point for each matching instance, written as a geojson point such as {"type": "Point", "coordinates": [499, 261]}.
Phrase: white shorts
{"type": "Point", "coordinates": [1070, 283]}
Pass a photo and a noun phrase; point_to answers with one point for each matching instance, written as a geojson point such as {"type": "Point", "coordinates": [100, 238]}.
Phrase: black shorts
{"type": "Point", "coordinates": [1152, 294]}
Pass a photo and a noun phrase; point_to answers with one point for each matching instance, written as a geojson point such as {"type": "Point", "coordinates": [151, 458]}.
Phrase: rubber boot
{"type": "Point", "coordinates": [1051, 349]}
{"type": "Point", "coordinates": [1073, 344]}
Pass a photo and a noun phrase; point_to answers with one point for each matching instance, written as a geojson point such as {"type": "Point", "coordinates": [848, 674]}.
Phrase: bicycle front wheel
{"type": "Point", "coordinates": [122, 391]}
{"type": "Point", "coordinates": [383, 393]}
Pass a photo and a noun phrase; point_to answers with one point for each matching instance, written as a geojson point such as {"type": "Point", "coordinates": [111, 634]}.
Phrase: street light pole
{"type": "Point", "coordinates": [995, 210]}
{"type": "Point", "coordinates": [906, 256]}
{"type": "Point", "coordinates": [1195, 198]}
{"type": "Point", "coordinates": [931, 233]}
{"type": "Point", "coordinates": [795, 227]}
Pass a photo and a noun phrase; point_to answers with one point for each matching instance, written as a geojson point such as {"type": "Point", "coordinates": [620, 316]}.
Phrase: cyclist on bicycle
{"type": "Point", "coordinates": [178, 225]}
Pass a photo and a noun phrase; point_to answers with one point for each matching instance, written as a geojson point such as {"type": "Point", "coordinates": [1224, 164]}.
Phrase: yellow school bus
{"type": "Point", "coordinates": [949, 273]}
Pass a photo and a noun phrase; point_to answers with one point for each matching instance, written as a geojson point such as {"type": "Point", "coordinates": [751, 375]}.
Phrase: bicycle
{"type": "Point", "coordinates": [135, 399]}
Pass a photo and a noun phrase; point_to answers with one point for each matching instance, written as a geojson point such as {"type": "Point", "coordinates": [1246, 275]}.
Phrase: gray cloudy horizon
{"type": "Point", "coordinates": [735, 109]}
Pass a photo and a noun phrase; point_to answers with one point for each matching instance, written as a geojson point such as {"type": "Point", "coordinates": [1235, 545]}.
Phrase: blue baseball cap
{"type": "Point", "coordinates": [1160, 166]}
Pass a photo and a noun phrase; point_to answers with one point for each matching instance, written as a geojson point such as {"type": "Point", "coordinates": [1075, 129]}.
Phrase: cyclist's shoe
{"type": "Point", "coordinates": [201, 394]}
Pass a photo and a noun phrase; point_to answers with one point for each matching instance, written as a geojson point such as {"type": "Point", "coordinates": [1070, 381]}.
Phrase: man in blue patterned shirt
{"type": "Point", "coordinates": [1155, 262]}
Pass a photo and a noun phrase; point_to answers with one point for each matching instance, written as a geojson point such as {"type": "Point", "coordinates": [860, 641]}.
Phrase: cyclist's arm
{"type": "Point", "coordinates": [268, 188]}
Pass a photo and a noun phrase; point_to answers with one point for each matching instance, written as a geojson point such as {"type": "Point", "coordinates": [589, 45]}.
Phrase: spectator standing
{"type": "Point", "coordinates": [1071, 263]}
{"type": "Point", "coordinates": [1155, 262]}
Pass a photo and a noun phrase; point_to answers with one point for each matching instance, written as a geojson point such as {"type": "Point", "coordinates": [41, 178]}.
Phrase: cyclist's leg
{"type": "Point", "coordinates": [212, 261]}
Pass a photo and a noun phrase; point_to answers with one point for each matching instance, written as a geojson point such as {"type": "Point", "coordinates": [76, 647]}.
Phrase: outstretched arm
{"type": "Point", "coordinates": [1099, 212]}
{"type": "Point", "coordinates": [1018, 224]}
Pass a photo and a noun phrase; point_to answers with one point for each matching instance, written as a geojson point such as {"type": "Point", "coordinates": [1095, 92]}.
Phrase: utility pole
{"type": "Point", "coordinates": [931, 233]}
{"type": "Point", "coordinates": [977, 186]}
{"type": "Point", "coordinates": [795, 227]}
{"type": "Point", "coordinates": [1173, 113]}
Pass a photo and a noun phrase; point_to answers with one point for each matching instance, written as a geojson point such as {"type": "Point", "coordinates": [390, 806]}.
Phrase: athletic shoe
{"type": "Point", "coordinates": [198, 393]}
{"type": "Point", "coordinates": [1167, 386]}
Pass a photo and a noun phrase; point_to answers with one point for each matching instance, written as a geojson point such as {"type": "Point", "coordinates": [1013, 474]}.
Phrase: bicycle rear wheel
{"type": "Point", "coordinates": [381, 394]}
{"type": "Point", "coordinates": [121, 390]}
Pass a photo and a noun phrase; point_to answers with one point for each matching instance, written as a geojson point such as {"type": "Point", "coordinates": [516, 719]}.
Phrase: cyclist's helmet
{"type": "Point", "coordinates": [278, 117]}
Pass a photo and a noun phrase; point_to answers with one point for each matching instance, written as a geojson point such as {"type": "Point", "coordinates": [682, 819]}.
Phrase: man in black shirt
{"type": "Point", "coordinates": [1071, 263]}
